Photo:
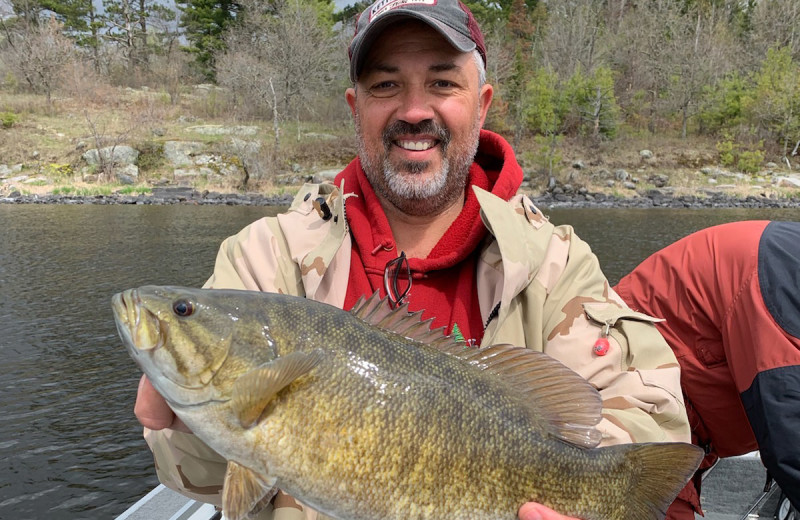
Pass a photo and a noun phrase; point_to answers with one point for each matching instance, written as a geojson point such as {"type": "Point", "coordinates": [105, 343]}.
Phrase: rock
{"type": "Point", "coordinates": [35, 180]}
{"type": "Point", "coordinates": [659, 180]}
{"type": "Point", "coordinates": [629, 185]}
{"type": "Point", "coordinates": [622, 175]}
{"type": "Point", "coordinates": [788, 182]}
{"type": "Point", "coordinates": [578, 165]}
{"type": "Point", "coordinates": [223, 130]}
{"type": "Point", "coordinates": [712, 180]}
{"type": "Point", "coordinates": [243, 147]}
{"type": "Point", "coordinates": [610, 183]}
{"type": "Point", "coordinates": [328, 175]}
{"type": "Point", "coordinates": [117, 155]}
{"type": "Point", "coordinates": [645, 154]}
{"type": "Point", "coordinates": [4, 171]}
{"type": "Point", "coordinates": [158, 132]}
{"type": "Point", "coordinates": [179, 153]}
{"type": "Point", "coordinates": [770, 166]}
{"type": "Point", "coordinates": [35, 154]}
{"type": "Point", "coordinates": [128, 174]}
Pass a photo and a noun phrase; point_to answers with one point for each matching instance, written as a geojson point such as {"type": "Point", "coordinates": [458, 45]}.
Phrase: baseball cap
{"type": "Point", "coordinates": [451, 18]}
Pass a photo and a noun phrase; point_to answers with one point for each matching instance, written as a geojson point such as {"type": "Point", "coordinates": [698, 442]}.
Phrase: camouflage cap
{"type": "Point", "coordinates": [451, 18]}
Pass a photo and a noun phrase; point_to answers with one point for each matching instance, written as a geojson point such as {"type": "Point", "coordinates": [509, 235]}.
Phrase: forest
{"type": "Point", "coordinates": [588, 71]}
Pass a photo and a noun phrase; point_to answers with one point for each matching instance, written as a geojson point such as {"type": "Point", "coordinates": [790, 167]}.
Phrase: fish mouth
{"type": "Point", "coordinates": [140, 329]}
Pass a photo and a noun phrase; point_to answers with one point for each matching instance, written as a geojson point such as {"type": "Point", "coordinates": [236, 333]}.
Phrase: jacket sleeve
{"type": "Point", "coordinates": [639, 377]}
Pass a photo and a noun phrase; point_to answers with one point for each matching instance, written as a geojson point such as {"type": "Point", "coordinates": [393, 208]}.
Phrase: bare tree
{"type": "Point", "coordinates": [279, 60]}
{"type": "Point", "coordinates": [575, 36]}
{"type": "Point", "coordinates": [680, 52]}
{"type": "Point", "coordinates": [37, 53]}
{"type": "Point", "coordinates": [776, 23]}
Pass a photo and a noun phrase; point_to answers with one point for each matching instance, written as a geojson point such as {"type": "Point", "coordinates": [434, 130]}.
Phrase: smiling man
{"type": "Point", "coordinates": [429, 215]}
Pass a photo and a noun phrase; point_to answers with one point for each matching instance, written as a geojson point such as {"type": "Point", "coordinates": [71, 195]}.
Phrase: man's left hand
{"type": "Point", "coordinates": [534, 511]}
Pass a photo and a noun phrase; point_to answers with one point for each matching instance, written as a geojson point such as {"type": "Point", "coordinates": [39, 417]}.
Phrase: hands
{"type": "Point", "coordinates": [534, 511]}
{"type": "Point", "coordinates": [152, 410]}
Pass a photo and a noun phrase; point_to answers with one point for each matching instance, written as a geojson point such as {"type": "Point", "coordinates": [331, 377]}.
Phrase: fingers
{"type": "Point", "coordinates": [151, 409]}
{"type": "Point", "coordinates": [534, 511]}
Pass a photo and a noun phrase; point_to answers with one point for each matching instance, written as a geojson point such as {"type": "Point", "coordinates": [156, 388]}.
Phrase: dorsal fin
{"type": "Point", "coordinates": [551, 391]}
{"type": "Point", "coordinates": [378, 312]}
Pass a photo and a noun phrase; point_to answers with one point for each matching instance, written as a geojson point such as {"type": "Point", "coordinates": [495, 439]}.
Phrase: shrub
{"type": "Point", "coordinates": [8, 119]}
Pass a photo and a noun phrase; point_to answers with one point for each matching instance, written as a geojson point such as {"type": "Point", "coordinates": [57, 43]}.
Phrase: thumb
{"type": "Point", "coordinates": [530, 511]}
{"type": "Point", "coordinates": [534, 511]}
{"type": "Point", "coordinates": [151, 409]}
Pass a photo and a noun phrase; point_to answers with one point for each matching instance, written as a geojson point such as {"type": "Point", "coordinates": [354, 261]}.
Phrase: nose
{"type": "Point", "coordinates": [415, 105]}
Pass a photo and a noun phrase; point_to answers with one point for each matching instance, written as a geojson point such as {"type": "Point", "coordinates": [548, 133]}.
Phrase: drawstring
{"type": "Point", "coordinates": [387, 245]}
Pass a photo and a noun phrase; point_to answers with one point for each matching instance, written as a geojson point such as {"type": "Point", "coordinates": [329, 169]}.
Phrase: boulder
{"type": "Point", "coordinates": [118, 155]}
{"type": "Point", "coordinates": [180, 153]}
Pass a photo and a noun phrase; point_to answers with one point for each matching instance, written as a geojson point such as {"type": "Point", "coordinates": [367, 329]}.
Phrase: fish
{"type": "Point", "coordinates": [370, 414]}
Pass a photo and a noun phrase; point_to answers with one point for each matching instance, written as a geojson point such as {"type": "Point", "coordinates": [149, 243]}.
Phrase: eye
{"type": "Point", "coordinates": [183, 308]}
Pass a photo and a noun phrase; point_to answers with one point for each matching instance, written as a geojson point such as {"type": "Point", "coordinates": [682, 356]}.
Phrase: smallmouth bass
{"type": "Point", "coordinates": [370, 415]}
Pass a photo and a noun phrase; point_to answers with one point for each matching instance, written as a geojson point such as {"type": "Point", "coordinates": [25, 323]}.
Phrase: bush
{"type": "Point", "coordinates": [8, 119]}
{"type": "Point", "coordinates": [750, 161]}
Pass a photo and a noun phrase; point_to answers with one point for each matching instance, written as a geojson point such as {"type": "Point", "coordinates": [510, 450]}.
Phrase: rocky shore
{"type": "Point", "coordinates": [653, 198]}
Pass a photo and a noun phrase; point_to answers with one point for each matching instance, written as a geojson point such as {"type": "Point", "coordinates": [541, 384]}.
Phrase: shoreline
{"type": "Point", "coordinates": [654, 198]}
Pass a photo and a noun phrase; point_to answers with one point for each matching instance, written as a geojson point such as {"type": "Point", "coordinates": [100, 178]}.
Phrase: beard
{"type": "Point", "coordinates": [403, 184]}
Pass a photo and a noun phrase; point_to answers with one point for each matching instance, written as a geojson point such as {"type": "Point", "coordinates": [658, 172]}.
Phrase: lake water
{"type": "Point", "coordinates": [70, 446]}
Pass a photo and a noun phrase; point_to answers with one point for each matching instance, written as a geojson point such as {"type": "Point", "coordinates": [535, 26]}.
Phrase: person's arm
{"type": "Point", "coordinates": [638, 377]}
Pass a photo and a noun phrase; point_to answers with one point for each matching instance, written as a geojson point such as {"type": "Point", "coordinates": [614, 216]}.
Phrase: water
{"type": "Point", "coordinates": [69, 444]}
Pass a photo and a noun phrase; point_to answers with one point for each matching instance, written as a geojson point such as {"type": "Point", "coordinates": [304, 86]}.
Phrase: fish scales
{"type": "Point", "coordinates": [383, 426]}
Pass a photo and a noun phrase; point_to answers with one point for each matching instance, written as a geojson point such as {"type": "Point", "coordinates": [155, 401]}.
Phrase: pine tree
{"type": "Point", "coordinates": [204, 22]}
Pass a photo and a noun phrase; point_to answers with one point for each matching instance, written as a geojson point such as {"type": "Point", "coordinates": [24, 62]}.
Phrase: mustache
{"type": "Point", "coordinates": [428, 126]}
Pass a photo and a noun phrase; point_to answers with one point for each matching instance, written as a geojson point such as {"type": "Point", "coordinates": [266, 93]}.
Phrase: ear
{"type": "Point", "coordinates": [350, 96]}
{"type": "Point", "coordinates": [486, 95]}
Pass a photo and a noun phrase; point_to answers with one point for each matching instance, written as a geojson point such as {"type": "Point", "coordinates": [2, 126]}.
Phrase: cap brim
{"type": "Point", "coordinates": [368, 37]}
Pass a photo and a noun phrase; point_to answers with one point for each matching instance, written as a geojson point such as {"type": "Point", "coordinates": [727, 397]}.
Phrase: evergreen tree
{"type": "Point", "coordinates": [204, 22]}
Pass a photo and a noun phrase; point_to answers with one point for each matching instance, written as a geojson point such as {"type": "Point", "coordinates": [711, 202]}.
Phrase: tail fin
{"type": "Point", "coordinates": [663, 469]}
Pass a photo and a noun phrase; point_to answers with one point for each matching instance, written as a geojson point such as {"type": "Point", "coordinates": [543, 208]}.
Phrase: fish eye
{"type": "Point", "coordinates": [183, 308]}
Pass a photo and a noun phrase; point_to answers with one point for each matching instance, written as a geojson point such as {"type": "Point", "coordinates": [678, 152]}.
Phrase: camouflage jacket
{"type": "Point", "coordinates": [539, 286]}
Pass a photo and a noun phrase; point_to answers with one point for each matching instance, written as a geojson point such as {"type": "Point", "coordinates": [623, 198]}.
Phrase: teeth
{"type": "Point", "coordinates": [415, 145]}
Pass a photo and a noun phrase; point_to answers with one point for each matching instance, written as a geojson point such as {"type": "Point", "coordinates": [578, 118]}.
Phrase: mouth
{"type": "Point", "coordinates": [416, 145]}
{"type": "Point", "coordinates": [139, 329]}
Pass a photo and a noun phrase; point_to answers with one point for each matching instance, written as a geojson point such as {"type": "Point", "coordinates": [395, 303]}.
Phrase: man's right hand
{"type": "Point", "coordinates": [152, 410]}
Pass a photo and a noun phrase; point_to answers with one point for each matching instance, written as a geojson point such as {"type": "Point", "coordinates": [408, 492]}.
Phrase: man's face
{"type": "Point", "coordinates": [418, 108]}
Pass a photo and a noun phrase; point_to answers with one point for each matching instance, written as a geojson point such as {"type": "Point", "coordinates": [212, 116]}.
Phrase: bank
{"type": "Point", "coordinates": [553, 198]}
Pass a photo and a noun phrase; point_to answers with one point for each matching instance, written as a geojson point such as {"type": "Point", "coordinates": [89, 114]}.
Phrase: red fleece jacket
{"type": "Point", "coordinates": [443, 284]}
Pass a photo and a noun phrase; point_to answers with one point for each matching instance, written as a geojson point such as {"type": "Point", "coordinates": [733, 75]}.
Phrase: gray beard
{"type": "Point", "coordinates": [400, 185]}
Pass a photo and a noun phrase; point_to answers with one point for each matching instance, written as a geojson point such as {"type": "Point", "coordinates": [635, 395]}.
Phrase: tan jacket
{"type": "Point", "coordinates": [540, 284]}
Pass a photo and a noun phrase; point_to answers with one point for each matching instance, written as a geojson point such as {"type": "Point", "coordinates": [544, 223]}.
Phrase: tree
{"type": "Point", "coordinates": [204, 23]}
{"type": "Point", "coordinates": [279, 60]}
{"type": "Point", "coordinates": [776, 103]}
{"type": "Point", "coordinates": [682, 49]}
{"type": "Point", "coordinates": [37, 53]}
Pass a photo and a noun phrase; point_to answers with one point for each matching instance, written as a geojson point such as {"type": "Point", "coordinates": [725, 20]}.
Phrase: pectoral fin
{"type": "Point", "coordinates": [244, 491]}
{"type": "Point", "coordinates": [253, 391]}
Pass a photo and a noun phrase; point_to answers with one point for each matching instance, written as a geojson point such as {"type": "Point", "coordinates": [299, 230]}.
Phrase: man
{"type": "Point", "coordinates": [729, 296]}
{"type": "Point", "coordinates": [428, 214]}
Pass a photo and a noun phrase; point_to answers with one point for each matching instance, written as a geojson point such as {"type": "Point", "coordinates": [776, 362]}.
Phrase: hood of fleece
{"type": "Point", "coordinates": [495, 169]}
